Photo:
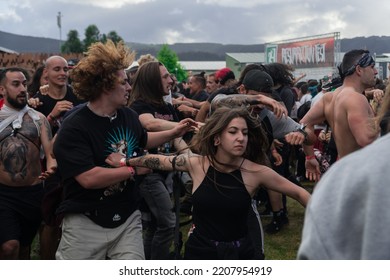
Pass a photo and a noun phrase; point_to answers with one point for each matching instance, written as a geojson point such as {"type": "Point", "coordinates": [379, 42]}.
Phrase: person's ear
{"type": "Point", "coordinates": [217, 141]}
{"type": "Point", "coordinates": [241, 89]}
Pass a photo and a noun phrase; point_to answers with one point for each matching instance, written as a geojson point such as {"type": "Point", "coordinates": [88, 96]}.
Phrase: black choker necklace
{"type": "Point", "coordinates": [111, 118]}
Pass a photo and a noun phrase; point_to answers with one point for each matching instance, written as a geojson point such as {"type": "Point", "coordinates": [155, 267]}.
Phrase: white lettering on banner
{"type": "Point", "coordinates": [308, 54]}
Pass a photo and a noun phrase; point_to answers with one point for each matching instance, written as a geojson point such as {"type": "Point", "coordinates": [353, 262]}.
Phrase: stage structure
{"type": "Point", "coordinates": [317, 56]}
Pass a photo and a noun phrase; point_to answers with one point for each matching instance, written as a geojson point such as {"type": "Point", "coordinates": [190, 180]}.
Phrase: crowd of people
{"type": "Point", "coordinates": [91, 156]}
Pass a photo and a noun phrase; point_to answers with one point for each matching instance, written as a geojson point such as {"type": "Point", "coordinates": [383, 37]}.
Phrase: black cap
{"type": "Point", "coordinates": [258, 80]}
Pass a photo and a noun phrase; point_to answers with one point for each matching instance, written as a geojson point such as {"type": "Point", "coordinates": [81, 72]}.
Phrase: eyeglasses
{"type": "Point", "coordinates": [365, 61]}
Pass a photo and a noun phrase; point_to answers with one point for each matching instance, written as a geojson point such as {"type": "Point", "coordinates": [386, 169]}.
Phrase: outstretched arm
{"type": "Point", "coordinates": [316, 114]}
{"type": "Point", "coordinates": [158, 138]}
{"type": "Point", "coordinates": [254, 100]}
{"type": "Point", "coordinates": [275, 182]}
{"type": "Point", "coordinates": [159, 162]}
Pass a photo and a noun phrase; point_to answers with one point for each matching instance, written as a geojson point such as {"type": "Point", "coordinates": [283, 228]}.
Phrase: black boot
{"type": "Point", "coordinates": [279, 219]}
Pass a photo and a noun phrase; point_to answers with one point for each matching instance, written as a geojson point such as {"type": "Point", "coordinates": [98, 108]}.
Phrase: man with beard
{"type": "Point", "coordinates": [346, 110]}
{"type": "Point", "coordinates": [22, 133]}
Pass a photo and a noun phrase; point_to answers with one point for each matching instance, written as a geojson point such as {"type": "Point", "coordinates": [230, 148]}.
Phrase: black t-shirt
{"type": "Point", "coordinates": [200, 96]}
{"type": "Point", "coordinates": [287, 96]}
{"type": "Point", "coordinates": [166, 112]}
{"type": "Point", "coordinates": [49, 103]}
{"type": "Point", "coordinates": [83, 142]}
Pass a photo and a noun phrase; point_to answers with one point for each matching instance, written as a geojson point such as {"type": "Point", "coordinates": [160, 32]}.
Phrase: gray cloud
{"type": "Point", "coordinates": [172, 21]}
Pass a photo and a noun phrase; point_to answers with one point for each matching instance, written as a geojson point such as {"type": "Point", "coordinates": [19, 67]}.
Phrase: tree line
{"type": "Point", "coordinates": [92, 34]}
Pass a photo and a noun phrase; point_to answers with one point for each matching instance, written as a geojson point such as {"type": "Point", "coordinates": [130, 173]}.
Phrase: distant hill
{"type": "Point", "coordinates": [28, 44]}
{"type": "Point", "coordinates": [185, 51]}
{"type": "Point", "coordinates": [197, 51]}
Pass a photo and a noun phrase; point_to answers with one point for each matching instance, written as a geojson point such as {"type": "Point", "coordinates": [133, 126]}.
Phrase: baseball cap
{"type": "Point", "coordinates": [258, 80]}
{"type": "Point", "coordinates": [224, 74]}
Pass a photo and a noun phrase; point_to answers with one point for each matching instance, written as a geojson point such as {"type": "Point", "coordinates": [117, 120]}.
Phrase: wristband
{"type": "Point", "coordinates": [310, 157]}
{"type": "Point", "coordinates": [122, 162]}
{"type": "Point", "coordinates": [300, 130]}
{"type": "Point", "coordinates": [131, 170]}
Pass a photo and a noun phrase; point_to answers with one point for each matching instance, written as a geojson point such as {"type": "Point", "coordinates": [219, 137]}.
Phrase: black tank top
{"type": "Point", "coordinates": [220, 206]}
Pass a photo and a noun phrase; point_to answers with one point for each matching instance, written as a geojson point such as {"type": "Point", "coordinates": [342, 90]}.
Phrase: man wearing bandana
{"type": "Point", "coordinates": [347, 109]}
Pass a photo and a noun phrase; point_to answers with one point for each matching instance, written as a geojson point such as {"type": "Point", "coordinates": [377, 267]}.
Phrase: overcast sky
{"type": "Point", "coordinates": [187, 21]}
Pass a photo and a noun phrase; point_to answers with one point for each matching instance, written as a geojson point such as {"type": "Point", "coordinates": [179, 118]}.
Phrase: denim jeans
{"type": "Point", "coordinates": [160, 230]}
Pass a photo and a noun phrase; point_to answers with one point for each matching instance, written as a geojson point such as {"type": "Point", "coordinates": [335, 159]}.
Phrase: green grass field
{"type": "Point", "coordinates": [284, 244]}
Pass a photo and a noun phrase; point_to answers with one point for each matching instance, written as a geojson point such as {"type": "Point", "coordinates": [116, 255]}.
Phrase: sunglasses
{"type": "Point", "coordinates": [365, 61]}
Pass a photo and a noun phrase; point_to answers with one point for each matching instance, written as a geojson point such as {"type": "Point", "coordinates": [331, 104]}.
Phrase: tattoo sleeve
{"type": "Point", "coordinates": [160, 162]}
{"type": "Point", "coordinates": [48, 129]}
{"type": "Point", "coordinates": [152, 162]}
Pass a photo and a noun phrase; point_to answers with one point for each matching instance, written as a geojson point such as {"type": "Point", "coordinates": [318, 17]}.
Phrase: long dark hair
{"type": "Point", "coordinates": [35, 84]}
{"type": "Point", "coordinates": [203, 142]}
{"type": "Point", "coordinates": [147, 85]}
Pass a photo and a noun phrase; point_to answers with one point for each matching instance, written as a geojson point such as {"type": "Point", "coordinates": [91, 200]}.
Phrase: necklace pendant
{"type": "Point", "coordinates": [113, 117]}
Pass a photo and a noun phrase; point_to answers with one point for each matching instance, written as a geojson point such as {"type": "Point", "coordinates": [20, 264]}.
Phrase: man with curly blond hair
{"type": "Point", "coordinates": [100, 207]}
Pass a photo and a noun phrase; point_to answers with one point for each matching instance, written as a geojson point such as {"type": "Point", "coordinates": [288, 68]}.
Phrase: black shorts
{"type": "Point", "coordinates": [20, 213]}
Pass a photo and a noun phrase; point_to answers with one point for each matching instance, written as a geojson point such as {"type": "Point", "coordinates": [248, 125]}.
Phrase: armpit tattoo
{"type": "Point", "coordinates": [180, 161]}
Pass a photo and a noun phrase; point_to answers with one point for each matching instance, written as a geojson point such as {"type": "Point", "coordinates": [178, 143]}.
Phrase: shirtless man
{"type": "Point", "coordinates": [347, 110]}
{"type": "Point", "coordinates": [22, 132]}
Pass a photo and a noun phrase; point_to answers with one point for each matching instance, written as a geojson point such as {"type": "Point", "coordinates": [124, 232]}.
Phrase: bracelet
{"type": "Point", "coordinates": [127, 161]}
{"type": "Point", "coordinates": [310, 157]}
{"type": "Point", "coordinates": [300, 130]}
{"type": "Point", "coordinates": [131, 170]}
{"type": "Point", "coordinates": [122, 162]}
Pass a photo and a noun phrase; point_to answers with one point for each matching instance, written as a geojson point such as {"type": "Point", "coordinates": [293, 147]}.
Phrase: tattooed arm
{"type": "Point", "coordinates": [47, 144]}
{"type": "Point", "coordinates": [261, 100]}
{"type": "Point", "coordinates": [160, 162]}
{"type": "Point", "coordinates": [181, 146]}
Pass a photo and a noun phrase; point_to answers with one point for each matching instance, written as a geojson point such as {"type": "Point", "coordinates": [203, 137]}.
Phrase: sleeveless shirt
{"type": "Point", "coordinates": [220, 206]}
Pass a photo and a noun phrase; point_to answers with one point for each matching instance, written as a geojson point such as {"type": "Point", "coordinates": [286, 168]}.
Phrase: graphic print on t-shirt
{"type": "Point", "coordinates": [122, 141]}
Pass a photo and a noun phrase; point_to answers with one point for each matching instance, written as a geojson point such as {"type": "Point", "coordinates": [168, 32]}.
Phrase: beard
{"type": "Point", "coordinates": [15, 104]}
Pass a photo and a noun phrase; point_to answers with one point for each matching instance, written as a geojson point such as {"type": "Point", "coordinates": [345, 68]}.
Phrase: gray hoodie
{"type": "Point", "coordinates": [348, 216]}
